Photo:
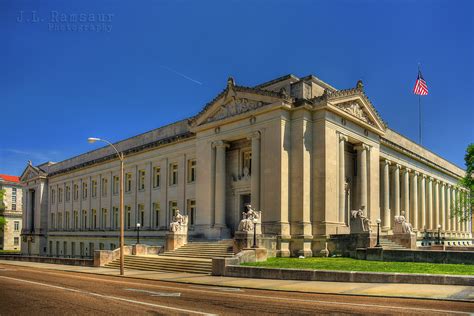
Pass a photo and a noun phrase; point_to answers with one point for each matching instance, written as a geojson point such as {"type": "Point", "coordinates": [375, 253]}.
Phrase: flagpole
{"type": "Point", "coordinates": [419, 116]}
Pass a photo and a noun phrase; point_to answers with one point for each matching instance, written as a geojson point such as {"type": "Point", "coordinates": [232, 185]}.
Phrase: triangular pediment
{"type": "Point", "coordinates": [358, 109]}
{"type": "Point", "coordinates": [30, 172]}
{"type": "Point", "coordinates": [235, 101]}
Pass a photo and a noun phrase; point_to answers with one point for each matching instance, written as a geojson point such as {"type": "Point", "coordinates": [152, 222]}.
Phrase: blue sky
{"type": "Point", "coordinates": [154, 62]}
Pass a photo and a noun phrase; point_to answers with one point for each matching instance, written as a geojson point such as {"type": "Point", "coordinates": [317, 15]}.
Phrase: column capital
{"type": "Point", "coordinates": [361, 147]}
{"type": "Point", "coordinates": [343, 137]}
{"type": "Point", "coordinates": [406, 170]}
{"type": "Point", "coordinates": [437, 181]}
{"type": "Point", "coordinates": [443, 184]}
{"type": "Point", "coordinates": [254, 135]}
{"type": "Point", "coordinates": [416, 173]}
{"type": "Point", "coordinates": [424, 176]}
{"type": "Point", "coordinates": [220, 143]}
{"type": "Point", "coordinates": [396, 166]}
{"type": "Point", "coordinates": [386, 162]}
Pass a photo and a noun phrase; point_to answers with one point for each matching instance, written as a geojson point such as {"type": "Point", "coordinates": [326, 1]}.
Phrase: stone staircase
{"type": "Point", "coordinates": [194, 257]}
{"type": "Point", "coordinates": [388, 244]}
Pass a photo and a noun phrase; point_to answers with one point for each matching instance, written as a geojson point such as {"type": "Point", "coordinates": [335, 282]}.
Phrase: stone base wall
{"type": "Point", "coordinates": [68, 261]}
{"type": "Point", "coordinates": [431, 256]}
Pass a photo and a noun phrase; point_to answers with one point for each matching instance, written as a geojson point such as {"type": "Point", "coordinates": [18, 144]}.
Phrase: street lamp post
{"type": "Point", "coordinates": [378, 221]}
{"type": "Point", "coordinates": [254, 233]}
{"type": "Point", "coordinates": [138, 233]}
{"type": "Point", "coordinates": [122, 233]}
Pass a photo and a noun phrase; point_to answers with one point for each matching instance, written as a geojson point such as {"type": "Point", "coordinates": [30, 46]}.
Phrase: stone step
{"type": "Point", "coordinates": [158, 263]}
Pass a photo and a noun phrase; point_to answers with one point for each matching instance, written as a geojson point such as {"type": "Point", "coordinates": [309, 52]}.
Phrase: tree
{"type": "Point", "coordinates": [3, 221]}
{"type": "Point", "coordinates": [464, 206]}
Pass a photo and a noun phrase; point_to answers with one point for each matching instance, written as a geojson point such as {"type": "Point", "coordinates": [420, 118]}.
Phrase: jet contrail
{"type": "Point", "coordinates": [181, 74]}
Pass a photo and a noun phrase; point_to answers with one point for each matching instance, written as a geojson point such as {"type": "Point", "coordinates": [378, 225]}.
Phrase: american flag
{"type": "Point", "coordinates": [420, 85]}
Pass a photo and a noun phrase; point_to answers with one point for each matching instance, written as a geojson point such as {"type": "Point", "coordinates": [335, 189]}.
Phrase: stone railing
{"type": "Point", "coordinates": [102, 257]}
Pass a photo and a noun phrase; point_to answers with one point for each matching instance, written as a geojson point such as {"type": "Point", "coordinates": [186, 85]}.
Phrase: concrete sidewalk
{"type": "Point", "coordinates": [424, 291]}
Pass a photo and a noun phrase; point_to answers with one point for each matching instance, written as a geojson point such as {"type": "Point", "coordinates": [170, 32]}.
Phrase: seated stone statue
{"type": "Point", "coordinates": [179, 223]}
{"type": "Point", "coordinates": [359, 223]}
{"type": "Point", "coordinates": [401, 226]}
{"type": "Point", "coordinates": [246, 224]}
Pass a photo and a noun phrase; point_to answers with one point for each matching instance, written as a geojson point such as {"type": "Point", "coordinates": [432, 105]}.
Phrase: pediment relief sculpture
{"type": "Point", "coordinates": [235, 107]}
{"type": "Point", "coordinates": [355, 109]}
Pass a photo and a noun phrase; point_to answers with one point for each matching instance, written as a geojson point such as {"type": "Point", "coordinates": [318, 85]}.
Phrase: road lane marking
{"type": "Point", "coordinates": [108, 296]}
{"type": "Point", "coordinates": [182, 287]}
{"type": "Point", "coordinates": [217, 288]}
{"type": "Point", "coordinates": [155, 293]}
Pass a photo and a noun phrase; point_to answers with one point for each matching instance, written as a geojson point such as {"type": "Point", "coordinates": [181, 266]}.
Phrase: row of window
{"type": "Point", "coordinates": [173, 180]}
{"type": "Point", "coordinates": [103, 220]}
{"type": "Point", "coordinates": [85, 250]}
{"type": "Point", "coordinates": [13, 199]}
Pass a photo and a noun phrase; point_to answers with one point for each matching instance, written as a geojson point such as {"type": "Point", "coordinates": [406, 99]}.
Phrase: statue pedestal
{"type": "Point", "coordinates": [407, 240]}
{"type": "Point", "coordinates": [243, 240]}
{"type": "Point", "coordinates": [175, 240]}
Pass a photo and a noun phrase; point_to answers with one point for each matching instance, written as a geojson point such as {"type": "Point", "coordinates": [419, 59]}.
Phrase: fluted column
{"type": "Point", "coordinates": [414, 200]}
{"type": "Point", "coordinates": [396, 190]}
{"type": "Point", "coordinates": [423, 202]}
{"type": "Point", "coordinates": [362, 160]}
{"type": "Point", "coordinates": [342, 178]}
{"type": "Point", "coordinates": [386, 195]}
{"type": "Point", "coordinates": [454, 223]}
{"type": "Point", "coordinates": [255, 176]}
{"type": "Point", "coordinates": [436, 205]}
{"type": "Point", "coordinates": [448, 208]}
{"type": "Point", "coordinates": [464, 208]}
{"type": "Point", "coordinates": [220, 182]}
{"type": "Point", "coordinates": [406, 193]}
{"type": "Point", "coordinates": [442, 208]}
{"type": "Point", "coordinates": [429, 212]}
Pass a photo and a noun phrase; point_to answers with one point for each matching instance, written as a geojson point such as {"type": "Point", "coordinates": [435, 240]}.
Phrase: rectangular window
{"type": "Point", "coordinates": [84, 219]}
{"type": "Point", "coordinates": [94, 219]}
{"type": "Point", "coordinates": [73, 249]}
{"type": "Point", "coordinates": [101, 246]}
{"type": "Point", "coordinates": [53, 220]}
{"type": "Point", "coordinates": [16, 225]}
{"type": "Point", "coordinates": [53, 196]}
{"type": "Point", "coordinates": [156, 177]}
{"type": "Point", "coordinates": [13, 207]}
{"type": "Point", "coordinates": [94, 188]}
{"type": "Point", "coordinates": [156, 212]}
{"type": "Point", "coordinates": [76, 192]}
{"type": "Point", "coordinates": [128, 182]}
{"type": "Point", "coordinates": [68, 193]}
{"type": "Point", "coordinates": [113, 247]}
{"type": "Point", "coordinates": [16, 241]}
{"type": "Point", "coordinates": [76, 220]}
{"type": "Point", "coordinates": [172, 209]}
{"type": "Point", "coordinates": [68, 218]}
{"type": "Point", "coordinates": [173, 174]}
{"type": "Point", "coordinates": [128, 211]}
{"type": "Point", "coordinates": [191, 170]}
{"type": "Point", "coordinates": [104, 186]}
{"type": "Point", "coordinates": [141, 214]}
{"type": "Point", "coordinates": [116, 217]}
{"type": "Point", "coordinates": [192, 211]}
{"type": "Point", "coordinates": [65, 248]}
{"type": "Point", "coordinates": [115, 185]}
{"type": "Point", "coordinates": [60, 221]}
{"type": "Point", "coordinates": [13, 191]}
{"type": "Point", "coordinates": [246, 162]}
{"type": "Point", "coordinates": [13, 198]}
{"type": "Point", "coordinates": [84, 190]}
{"type": "Point", "coordinates": [104, 218]}
{"type": "Point", "coordinates": [141, 179]}
{"type": "Point", "coordinates": [60, 195]}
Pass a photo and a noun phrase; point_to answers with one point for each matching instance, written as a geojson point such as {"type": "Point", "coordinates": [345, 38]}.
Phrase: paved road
{"type": "Point", "coordinates": [33, 291]}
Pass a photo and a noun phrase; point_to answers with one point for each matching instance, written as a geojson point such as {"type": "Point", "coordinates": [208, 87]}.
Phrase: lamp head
{"type": "Point", "coordinates": [378, 221]}
{"type": "Point", "coordinates": [92, 140]}
{"type": "Point", "coordinates": [439, 226]}
{"type": "Point", "coordinates": [138, 225]}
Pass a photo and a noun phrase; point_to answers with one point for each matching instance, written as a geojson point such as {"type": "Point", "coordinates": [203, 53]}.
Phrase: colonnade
{"type": "Point", "coordinates": [426, 201]}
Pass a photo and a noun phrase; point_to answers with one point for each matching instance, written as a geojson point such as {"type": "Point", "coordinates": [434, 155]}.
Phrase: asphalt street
{"type": "Point", "coordinates": [34, 291]}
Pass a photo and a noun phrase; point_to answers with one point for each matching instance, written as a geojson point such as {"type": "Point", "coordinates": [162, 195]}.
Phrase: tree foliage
{"type": "Point", "coordinates": [463, 207]}
{"type": "Point", "coordinates": [2, 209]}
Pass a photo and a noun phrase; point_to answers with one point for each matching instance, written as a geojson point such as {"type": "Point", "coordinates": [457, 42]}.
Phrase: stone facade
{"type": "Point", "coordinates": [10, 236]}
{"type": "Point", "coordinates": [300, 151]}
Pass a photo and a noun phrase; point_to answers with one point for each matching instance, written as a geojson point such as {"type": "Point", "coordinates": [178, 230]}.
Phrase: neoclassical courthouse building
{"type": "Point", "coordinates": [299, 150]}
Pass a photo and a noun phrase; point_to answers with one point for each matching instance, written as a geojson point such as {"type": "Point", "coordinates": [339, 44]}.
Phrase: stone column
{"type": "Point", "coordinates": [396, 190]}
{"type": "Point", "coordinates": [414, 200]}
{"type": "Point", "coordinates": [442, 208]}
{"type": "Point", "coordinates": [429, 216]}
{"type": "Point", "coordinates": [456, 204]}
{"type": "Point", "coordinates": [255, 175]}
{"type": "Point", "coordinates": [362, 175]}
{"type": "Point", "coordinates": [342, 177]}
{"type": "Point", "coordinates": [436, 205]}
{"type": "Point", "coordinates": [454, 220]}
{"type": "Point", "coordinates": [406, 193]}
{"type": "Point", "coordinates": [423, 202]}
{"type": "Point", "coordinates": [220, 183]}
{"type": "Point", "coordinates": [448, 208]}
{"type": "Point", "coordinates": [386, 195]}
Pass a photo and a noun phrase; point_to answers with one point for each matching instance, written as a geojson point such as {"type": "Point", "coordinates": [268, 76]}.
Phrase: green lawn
{"type": "Point", "coordinates": [10, 251]}
{"type": "Point", "coordinates": [348, 264]}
